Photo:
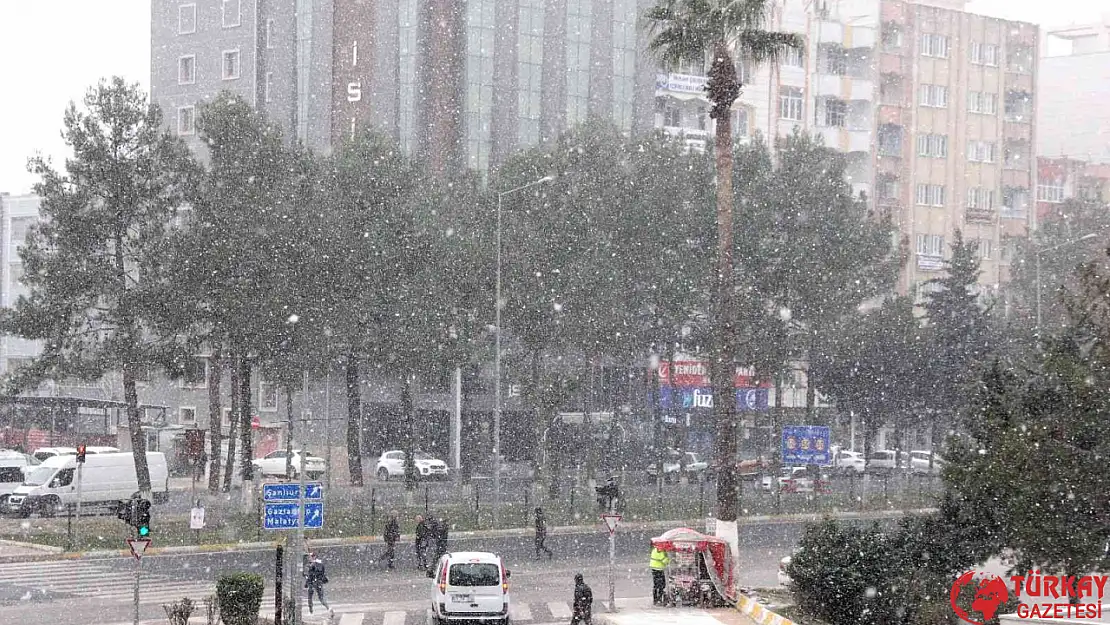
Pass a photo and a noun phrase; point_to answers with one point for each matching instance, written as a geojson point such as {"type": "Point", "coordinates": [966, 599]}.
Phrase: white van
{"type": "Point", "coordinates": [470, 586]}
{"type": "Point", "coordinates": [105, 480]}
{"type": "Point", "coordinates": [14, 467]}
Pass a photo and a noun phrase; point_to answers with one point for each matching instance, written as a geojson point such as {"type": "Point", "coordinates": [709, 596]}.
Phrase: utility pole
{"type": "Point", "coordinates": [300, 496]}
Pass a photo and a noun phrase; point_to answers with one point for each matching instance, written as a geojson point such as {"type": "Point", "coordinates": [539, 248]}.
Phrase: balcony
{"type": "Point", "coordinates": [1016, 176]}
{"type": "Point", "coordinates": [846, 139]}
{"type": "Point", "coordinates": [979, 215]}
{"type": "Point", "coordinates": [845, 87]}
{"type": "Point", "coordinates": [930, 262]}
{"type": "Point", "coordinates": [890, 63]}
{"type": "Point", "coordinates": [891, 114]}
{"type": "Point", "coordinates": [848, 35]}
{"type": "Point", "coordinates": [681, 83]}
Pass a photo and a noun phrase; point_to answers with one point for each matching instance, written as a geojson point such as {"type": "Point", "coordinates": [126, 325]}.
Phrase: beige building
{"type": "Point", "coordinates": [933, 106]}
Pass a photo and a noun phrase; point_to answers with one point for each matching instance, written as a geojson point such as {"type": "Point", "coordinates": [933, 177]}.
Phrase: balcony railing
{"type": "Point", "coordinates": [979, 214]}
{"type": "Point", "coordinates": [930, 262]}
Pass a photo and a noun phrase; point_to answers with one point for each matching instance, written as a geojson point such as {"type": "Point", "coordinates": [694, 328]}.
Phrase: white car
{"type": "Point", "coordinates": [919, 463]}
{"type": "Point", "coordinates": [391, 464]}
{"type": "Point", "coordinates": [849, 461]}
{"type": "Point", "coordinates": [886, 461]}
{"type": "Point", "coordinates": [695, 466]}
{"type": "Point", "coordinates": [42, 453]}
{"type": "Point", "coordinates": [274, 464]}
{"type": "Point", "coordinates": [470, 586]}
{"type": "Point", "coordinates": [784, 579]}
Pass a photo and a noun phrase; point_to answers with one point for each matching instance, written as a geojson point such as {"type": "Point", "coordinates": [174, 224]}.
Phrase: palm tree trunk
{"type": "Point", "coordinates": [215, 419]}
{"type": "Point", "coordinates": [723, 91]}
{"type": "Point", "coordinates": [354, 421]}
{"type": "Point", "coordinates": [245, 431]}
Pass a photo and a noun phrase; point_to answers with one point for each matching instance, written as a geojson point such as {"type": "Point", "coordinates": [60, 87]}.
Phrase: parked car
{"type": "Point", "coordinates": [695, 466]}
{"type": "Point", "coordinates": [391, 464]}
{"type": "Point", "coordinates": [886, 461]}
{"type": "Point", "coordinates": [14, 467]}
{"type": "Point", "coordinates": [43, 453]}
{"type": "Point", "coordinates": [919, 463]}
{"type": "Point", "coordinates": [798, 480]}
{"type": "Point", "coordinates": [846, 462]}
{"type": "Point", "coordinates": [472, 587]}
{"type": "Point", "coordinates": [274, 464]}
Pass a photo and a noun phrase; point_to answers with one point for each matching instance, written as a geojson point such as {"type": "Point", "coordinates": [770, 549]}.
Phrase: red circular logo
{"type": "Point", "coordinates": [990, 593]}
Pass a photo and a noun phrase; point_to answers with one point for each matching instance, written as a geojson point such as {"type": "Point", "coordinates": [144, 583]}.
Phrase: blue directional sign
{"type": "Point", "coordinates": [805, 444]}
{"type": "Point", "coordinates": [281, 516]}
{"type": "Point", "coordinates": [280, 492]}
{"type": "Point", "coordinates": [314, 491]}
{"type": "Point", "coordinates": [314, 515]}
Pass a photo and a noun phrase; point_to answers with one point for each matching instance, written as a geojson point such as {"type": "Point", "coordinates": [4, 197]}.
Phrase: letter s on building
{"type": "Point", "coordinates": [354, 91]}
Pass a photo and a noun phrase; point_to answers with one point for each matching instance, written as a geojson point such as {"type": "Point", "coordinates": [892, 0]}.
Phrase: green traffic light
{"type": "Point", "coordinates": [144, 531]}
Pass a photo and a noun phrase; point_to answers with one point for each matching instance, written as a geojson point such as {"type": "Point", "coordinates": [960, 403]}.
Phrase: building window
{"type": "Point", "coordinates": [934, 96]}
{"type": "Point", "coordinates": [1019, 104]}
{"type": "Point", "coordinates": [836, 60]}
{"type": "Point", "coordinates": [270, 34]}
{"type": "Point", "coordinates": [267, 396]}
{"type": "Point", "coordinates": [930, 194]}
{"type": "Point", "coordinates": [930, 244]}
{"type": "Point", "coordinates": [794, 57]}
{"type": "Point", "coordinates": [890, 140]}
{"type": "Point", "coordinates": [1014, 155]}
{"type": "Point", "coordinates": [1051, 190]}
{"type": "Point", "coordinates": [186, 19]}
{"type": "Point", "coordinates": [186, 120]}
{"type": "Point", "coordinates": [703, 118]}
{"type": "Point", "coordinates": [892, 36]}
{"type": "Point", "coordinates": [985, 251]}
{"type": "Point", "coordinates": [790, 103]}
{"type": "Point", "coordinates": [934, 45]}
{"type": "Point", "coordinates": [187, 70]}
{"type": "Point", "coordinates": [980, 198]}
{"type": "Point", "coordinates": [187, 415]}
{"type": "Point", "coordinates": [1020, 59]}
{"type": "Point", "coordinates": [984, 54]}
{"type": "Point", "coordinates": [1015, 200]}
{"type": "Point", "coordinates": [231, 65]}
{"type": "Point", "coordinates": [932, 145]}
{"type": "Point", "coordinates": [672, 115]}
{"type": "Point", "coordinates": [268, 88]}
{"type": "Point", "coordinates": [231, 17]}
{"type": "Point", "coordinates": [740, 122]}
{"type": "Point", "coordinates": [981, 102]}
{"type": "Point", "coordinates": [981, 151]}
{"type": "Point", "coordinates": [836, 112]}
{"type": "Point", "coordinates": [195, 373]}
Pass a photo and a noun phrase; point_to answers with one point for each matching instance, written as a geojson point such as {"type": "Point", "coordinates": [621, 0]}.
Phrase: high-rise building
{"type": "Point", "coordinates": [934, 108]}
{"type": "Point", "coordinates": [1075, 87]}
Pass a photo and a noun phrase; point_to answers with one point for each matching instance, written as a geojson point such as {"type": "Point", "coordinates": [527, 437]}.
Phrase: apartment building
{"type": "Point", "coordinates": [1061, 179]}
{"type": "Point", "coordinates": [1073, 118]}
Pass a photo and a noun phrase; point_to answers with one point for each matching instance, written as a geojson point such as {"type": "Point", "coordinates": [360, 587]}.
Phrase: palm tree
{"type": "Point", "coordinates": [688, 31]}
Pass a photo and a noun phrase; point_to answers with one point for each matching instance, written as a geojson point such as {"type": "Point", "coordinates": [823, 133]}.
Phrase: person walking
{"type": "Point", "coordinates": [541, 533]}
{"type": "Point", "coordinates": [441, 537]}
{"type": "Point", "coordinates": [422, 537]}
{"type": "Point", "coordinates": [659, 561]}
{"type": "Point", "coordinates": [391, 535]}
{"type": "Point", "coordinates": [315, 578]}
{"type": "Point", "coordinates": [583, 602]}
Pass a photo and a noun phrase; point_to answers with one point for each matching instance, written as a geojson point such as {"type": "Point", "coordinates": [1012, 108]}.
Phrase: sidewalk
{"type": "Point", "coordinates": [29, 552]}
{"type": "Point", "coordinates": [674, 616]}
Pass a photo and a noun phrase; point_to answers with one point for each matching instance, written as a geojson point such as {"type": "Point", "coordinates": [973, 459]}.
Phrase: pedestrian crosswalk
{"type": "Point", "coordinates": [100, 581]}
{"type": "Point", "coordinates": [417, 613]}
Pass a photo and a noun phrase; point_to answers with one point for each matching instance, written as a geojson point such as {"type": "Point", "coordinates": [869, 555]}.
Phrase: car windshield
{"type": "Point", "coordinates": [693, 457]}
{"type": "Point", "coordinates": [422, 456]}
{"type": "Point", "coordinates": [474, 574]}
{"type": "Point", "coordinates": [40, 476]}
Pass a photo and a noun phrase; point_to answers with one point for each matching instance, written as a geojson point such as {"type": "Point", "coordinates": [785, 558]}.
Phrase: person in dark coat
{"type": "Point", "coordinates": [315, 578]}
{"type": "Point", "coordinates": [391, 535]}
{"type": "Point", "coordinates": [441, 537]}
{"type": "Point", "coordinates": [423, 537]}
{"type": "Point", "coordinates": [583, 602]}
{"type": "Point", "coordinates": [541, 533]}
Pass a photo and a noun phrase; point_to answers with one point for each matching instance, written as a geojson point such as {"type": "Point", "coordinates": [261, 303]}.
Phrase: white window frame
{"type": "Point", "coordinates": [789, 104]}
{"type": "Point", "coordinates": [937, 195]}
{"type": "Point", "coordinates": [181, 415]}
{"type": "Point", "coordinates": [262, 386]}
{"type": "Point", "coordinates": [985, 249]}
{"type": "Point", "coordinates": [238, 64]}
{"type": "Point", "coordinates": [204, 378]}
{"type": "Point", "coordinates": [991, 98]}
{"type": "Point", "coordinates": [933, 145]}
{"type": "Point", "coordinates": [180, 11]}
{"type": "Point", "coordinates": [837, 112]}
{"type": "Point", "coordinates": [238, 13]}
{"type": "Point", "coordinates": [192, 130]}
{"type": "Point", "coordinates": [1051, 191]}
{"type": "Point", "coordinates": [921, 194]}
{"type": "Point", "coordinates": [268, 87]}
{"type": "Point", "coordinates": [934, 45]}
{"type": "Point", "coordinates": [930, 245]}
{"type": "Point", "coordinates": [794, 57]}
{"type": "Point", "coordinates": [193, 79]}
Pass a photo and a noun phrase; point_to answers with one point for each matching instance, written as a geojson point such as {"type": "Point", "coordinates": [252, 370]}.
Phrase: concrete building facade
{"type": "Point", "coordinates": [1075, 86]}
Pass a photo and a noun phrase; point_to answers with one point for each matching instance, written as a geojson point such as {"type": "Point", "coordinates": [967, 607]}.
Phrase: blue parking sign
{"type": "Point", "coordinates": [805, 444]}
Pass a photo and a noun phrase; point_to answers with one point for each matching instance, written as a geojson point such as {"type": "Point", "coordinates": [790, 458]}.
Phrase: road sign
{"type": "Point", "coordinates": [313, 515]}
{"type": "Point", "coordinates": [611, 521]}
{"type": "Point", "coordinates": [314, 490]}
{"type": "Point", "coordinates": [805, 444]}
{"type": "Point", "coordinates": [279, 492]}
{"type": "Point", "coordinates": [138, 546]}
{"type": "Point", "coordinates": [196, 519]}
{"type": "Point", "coordinates": [281, 516]}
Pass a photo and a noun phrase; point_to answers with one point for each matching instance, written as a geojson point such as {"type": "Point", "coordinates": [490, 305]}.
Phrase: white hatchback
{"type": "Point", "coordinates": [470, 586]}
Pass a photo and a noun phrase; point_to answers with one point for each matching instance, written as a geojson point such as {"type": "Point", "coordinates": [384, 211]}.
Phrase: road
{"type": "Point", "coordinates": [84, 592]}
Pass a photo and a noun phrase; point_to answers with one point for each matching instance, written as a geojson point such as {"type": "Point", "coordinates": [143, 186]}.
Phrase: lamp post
{"type": "Point", "coordinates": [297, 617]}
{"type": "Point", "coordinates": [497, 355]}
{"type": "Point", "coordinates": [1037, 254]}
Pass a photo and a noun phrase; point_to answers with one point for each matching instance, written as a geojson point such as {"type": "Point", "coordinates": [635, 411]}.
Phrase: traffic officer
{"type": "Point", "coordinates": [659, 561]}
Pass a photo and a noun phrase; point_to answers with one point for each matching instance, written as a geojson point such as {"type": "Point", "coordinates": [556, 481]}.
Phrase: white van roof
{"type": "Point", "coordinates": [473, 556]}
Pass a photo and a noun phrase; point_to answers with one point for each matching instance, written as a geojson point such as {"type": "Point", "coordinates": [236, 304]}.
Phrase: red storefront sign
{"type": "Point", "coordinates": [695, 374]}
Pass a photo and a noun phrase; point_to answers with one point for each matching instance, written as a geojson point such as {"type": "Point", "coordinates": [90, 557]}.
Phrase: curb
{"type": "Point", "coordinates": [760, 614]}
{"type": "Point", "coordinates": [56, 553]}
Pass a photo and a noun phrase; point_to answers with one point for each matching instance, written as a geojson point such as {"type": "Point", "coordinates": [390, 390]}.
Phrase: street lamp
{"type": "Point", "coordinates": [1038, 253]}
{"type": "Point", "coordinates": [497, 304]}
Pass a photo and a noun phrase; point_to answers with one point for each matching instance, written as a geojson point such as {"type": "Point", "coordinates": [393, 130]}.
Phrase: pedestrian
{"type": "Point", "coordinates": [422, 537]}
{"type": "Point", "coordinates": [441, 537]}
{"type": "Point", "coordinates": [392, 535]}
{"type": "Point", "coordinates": [315, 578]}
{"type": "Point", "coordinates": [659, 561]}
{"type": "Point", "coordinates": [541, 533]}
{"type": "Point", "coordinates": [583, 602]}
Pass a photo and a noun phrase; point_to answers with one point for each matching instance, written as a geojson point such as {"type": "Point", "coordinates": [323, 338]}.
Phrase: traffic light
{"type": "Point", "coordinates": [80, 453]}
{"type": "Point", "coordinates": [142, 517]}
{"type": "Point", "coordinates": [124, 511]}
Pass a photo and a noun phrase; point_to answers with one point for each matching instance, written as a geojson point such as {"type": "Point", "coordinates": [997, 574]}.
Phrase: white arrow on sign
{"type": "Point", "coordinates": [138, 546]}
{"type": "Point", "coordinates": [611, 521]}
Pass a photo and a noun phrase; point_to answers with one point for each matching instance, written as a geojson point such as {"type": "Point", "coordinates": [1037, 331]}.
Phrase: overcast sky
{"type": "Point", "coordinates": [53, 50]}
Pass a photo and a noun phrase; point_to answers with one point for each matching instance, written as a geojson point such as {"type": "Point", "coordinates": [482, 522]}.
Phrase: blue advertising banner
{"type": "Point", "coordinates": [747, 399]}
{"type": "Point", "coordinates": [805, 444]}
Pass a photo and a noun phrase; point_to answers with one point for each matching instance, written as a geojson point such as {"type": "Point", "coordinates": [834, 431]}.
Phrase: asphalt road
{"type": "Point", "coordinates": [84, 592]}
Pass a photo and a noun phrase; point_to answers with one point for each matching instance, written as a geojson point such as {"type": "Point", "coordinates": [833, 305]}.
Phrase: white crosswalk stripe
{"type": "Point", "coordinates": [559, 610]}
{"type": "Point", "coordinates": [394, 618]}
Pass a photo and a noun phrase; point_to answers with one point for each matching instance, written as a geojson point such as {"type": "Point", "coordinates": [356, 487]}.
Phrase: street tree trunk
{"type": "Point", "coordinates": [354, 421]}
{"type": "Point", "coordinates": [245, 431]}
{"type": "Point", "coordinates": [232, 423]}
{"type": "Point", "coordinates": [723, 90]}
{"type": "Point", "coordinates": [135, 427]}
{"type": "Point", "coordinates": [409, 421]}
{"type": "Point", "coordinates": [215, 419]}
